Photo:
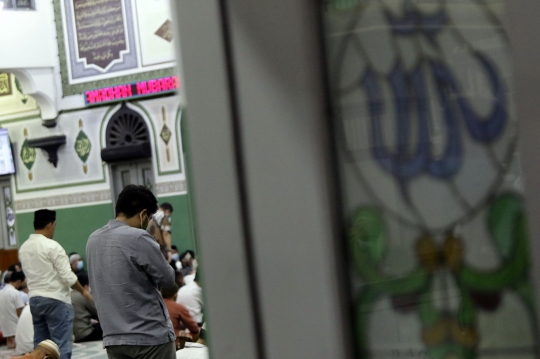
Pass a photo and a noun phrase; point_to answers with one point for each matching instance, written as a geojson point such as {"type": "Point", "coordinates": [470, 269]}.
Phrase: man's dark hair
{"type": "Point", "coordinates": [7, 276]}
{"type": "Point", "coordinates": [134, 199]}
{"type": "Point", "coordinates": [42, 224]}
{"type": "Point", "coordinates": [174, 247]}
{"type": "Point", "coordinates": [169, 292]}
{"type": "Point", "coordinates": [15, 276]}
{"type": "Point", "coordinates": [11, 268]}
{"type": "Point", "coordinates": [83, 279]}
{"type": "Point", "coordinates": [166, 206]}
{"type": "Point", "coordinates": [43, 217]}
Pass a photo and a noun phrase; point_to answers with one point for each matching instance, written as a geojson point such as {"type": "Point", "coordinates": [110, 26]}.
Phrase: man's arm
{"type": "Point", "coordinates": [60, 261]}
{"type": "Point", "coordinates": [150, 258]}
{"type": "Point", "coordinates": [91, 307]}
{"type": "Point", "coordinates": [79, 288]}
{"type": "Point", "coordinates": [19, 304]}
{"type": "Point", "coordinates": [166, 234]}
{"type": "Point", "coordinates": [189, 323]}
{"type": "Point", "coordinates": [167, 240]}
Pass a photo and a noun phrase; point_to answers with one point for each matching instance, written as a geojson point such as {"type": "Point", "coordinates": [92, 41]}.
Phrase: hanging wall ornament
{"type": "Point", "coordinates": [166, 133]}
{"type": "Point", "coordinates": [28, 155]}
{"type": "Point", "coordinates": [83, 146]}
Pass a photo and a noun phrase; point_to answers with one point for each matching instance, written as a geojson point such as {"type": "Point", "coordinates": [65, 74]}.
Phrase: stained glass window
{"type": "Point", "coordinates": [426, 136]}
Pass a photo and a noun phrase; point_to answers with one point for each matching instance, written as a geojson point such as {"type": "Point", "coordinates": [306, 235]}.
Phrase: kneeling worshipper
{"type": "Point", "coordinates": [46, 349]}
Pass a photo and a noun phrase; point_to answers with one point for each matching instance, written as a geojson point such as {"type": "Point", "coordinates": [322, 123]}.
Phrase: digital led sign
{"type": "Point", "coordinates": [132, 90]}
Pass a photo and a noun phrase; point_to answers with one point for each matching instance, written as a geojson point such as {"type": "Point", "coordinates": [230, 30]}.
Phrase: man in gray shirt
{"type": "Point", "coordinates": [126, 268]}
{"type": "Point", "coordinates": [83, 328]}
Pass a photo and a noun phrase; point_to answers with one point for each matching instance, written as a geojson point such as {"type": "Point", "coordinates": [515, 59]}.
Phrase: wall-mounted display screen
{"type": "Point", "coordinates": [132, 90]}
{"type": "Point", "coordinates": [6, 156]}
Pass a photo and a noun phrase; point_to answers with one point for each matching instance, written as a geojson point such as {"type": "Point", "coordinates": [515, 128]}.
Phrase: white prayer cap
{"type": "Point", "coordinates": [51, 348]}
{"type": "Point", "coordinates": [74, 257]}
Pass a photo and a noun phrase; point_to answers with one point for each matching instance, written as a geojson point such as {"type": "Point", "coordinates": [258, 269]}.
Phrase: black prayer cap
{"type": "Point", "coordinates": [44, 215]}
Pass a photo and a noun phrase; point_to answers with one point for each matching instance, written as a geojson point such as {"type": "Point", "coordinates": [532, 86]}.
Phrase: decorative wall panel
{"type": "Point", "coordinates": [104, 42]}
{"type": "Point", "coordinates": [426, 136]}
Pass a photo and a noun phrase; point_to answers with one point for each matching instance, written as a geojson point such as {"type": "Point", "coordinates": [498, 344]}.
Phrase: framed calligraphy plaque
{"type": "Point", "coordinates": [100, 31]}
{"type": "Point", "coordinates": [5, 84]}
{"type": "Point", "coordinates": [98, 47]}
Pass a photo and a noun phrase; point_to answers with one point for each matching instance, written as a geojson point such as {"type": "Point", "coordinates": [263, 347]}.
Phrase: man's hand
{"type": "Point", "coordinates": [181, 339]}
{"type": "Point", "coordinates": [169, 255]}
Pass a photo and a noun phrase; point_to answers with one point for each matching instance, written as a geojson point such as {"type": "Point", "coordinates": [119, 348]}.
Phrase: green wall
{"type": "Point", "coordinates": [74, 225]}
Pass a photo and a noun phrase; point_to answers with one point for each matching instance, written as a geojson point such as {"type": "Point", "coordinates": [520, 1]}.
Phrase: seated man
{"type": "Point", "coordinates": [83, 328]}
{"type": "Point", "coordinates": [11, 306]}
{"type": "Point", "coordinates": [188, 263]}
{"type": "Point", "coordinates": [76, 263]}
{"type": "Point", "coordinates": [23, 291]}
{"type": "Point", "coordinates": [190, 296]}
{"type": "Point", "coordinates": [179, 315]}
{"type": "Point", "coordinates": [25, 332]}
{"type": "Point", "coordinates": [47, 349]}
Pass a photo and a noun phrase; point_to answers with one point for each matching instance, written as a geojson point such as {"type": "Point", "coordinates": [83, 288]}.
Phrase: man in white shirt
{"type": "Point", "coordinates": [25, 332]}
{"type": "Point", "coordinates": [49, 277]}
{"type": "Point", "coordinates": [23, 291]}
{"type": "Point", "coordinates": [190, 296]}
{"type": "Point", "coordinates": [11, 306]}
{"type": "Point", "coordinates": [160, 228]}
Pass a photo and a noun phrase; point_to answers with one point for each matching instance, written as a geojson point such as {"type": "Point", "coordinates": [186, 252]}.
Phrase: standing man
{"type": "Point", "coordinates": [126, 268]}
{"type": "Point", "coordinates": [11, 306]}
{"type": "Point", "coordinates": [160, 228]}
{"type": "Point", "coordinates": [49, 278]}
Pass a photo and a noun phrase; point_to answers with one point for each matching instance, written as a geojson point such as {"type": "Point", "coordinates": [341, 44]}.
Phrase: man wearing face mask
{"type": "Point", "coordinates": [160, 228]}
{"type": "Point", "coordinates": [126, 267]}
{"type": "Point", "coordinates": [77, 264]}
{"type": "Point", "coordinates": [11, 306]}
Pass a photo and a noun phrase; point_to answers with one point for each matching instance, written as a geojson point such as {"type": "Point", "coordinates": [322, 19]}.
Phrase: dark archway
{"type": "Point", "coordinates": [127, 137]}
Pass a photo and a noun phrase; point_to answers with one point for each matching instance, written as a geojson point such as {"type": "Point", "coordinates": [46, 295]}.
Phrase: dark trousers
{"type": "Point", "coordinates": [97, 334]}
{"type": "Point", "coordinates": [163, 351]}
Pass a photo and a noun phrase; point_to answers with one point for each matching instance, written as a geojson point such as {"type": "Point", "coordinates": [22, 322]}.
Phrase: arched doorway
{"type": "Point", "coordinates": [128, 150]}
